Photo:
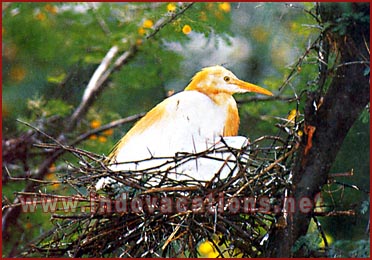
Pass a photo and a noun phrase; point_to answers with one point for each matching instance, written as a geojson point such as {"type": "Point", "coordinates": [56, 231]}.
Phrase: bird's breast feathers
{"type": "Point", "coordinates": [189, 121]}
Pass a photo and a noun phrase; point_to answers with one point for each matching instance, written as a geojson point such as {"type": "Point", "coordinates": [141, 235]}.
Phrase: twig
{"type": "Point", "coordinates": [163, 22]}
{"type": "Point", "coordinates": [320, 229]}
{"type": "Point", "coordinates": [100, 20]}
{"type": "Point", "coordinates": [248, 99]}
{"type": "Point", "coordinates": [335, 213]}
{"type": "Point", "coordinates": [351, 63]}
{"type": "Point", "coordinates": [263, 171]}
{"type": "Point", "coordinates": [342, 174]}
{"type": "Point", "coordinates": [41, 132]}
{"type": "Point", "coordinates": [169, 239]}
{"type": "Point", "coordinates": [294, 71]}
{"type": "Point", "coordinates": [103, 128]}
{"type": "Point", "coordinates": [167, 189]}
{"type": "Point", "coordinates": [28, 178]}
{"type": "Point", "coordinates": [304, 10]}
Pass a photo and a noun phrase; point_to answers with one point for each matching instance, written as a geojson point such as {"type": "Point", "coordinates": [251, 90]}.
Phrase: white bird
{"type": "Point", "coordinates": [191, 121]}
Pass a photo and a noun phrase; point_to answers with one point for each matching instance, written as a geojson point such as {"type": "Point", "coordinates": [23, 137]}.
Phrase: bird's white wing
{"type": "Point", "coordinates": [176, 126]}
{"type": "Point", "coordinates": [221, 160]}
{"type": "Point", "coordinates": [179, 126]}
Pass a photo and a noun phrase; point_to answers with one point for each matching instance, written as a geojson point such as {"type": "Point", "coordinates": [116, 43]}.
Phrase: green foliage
{"type": "Point", "coordinates": [309, 242]}
{"type": "Point", "coordinates": [365, 207]}
{"type": "Point", "coordinates": [347, 19]}
{"type": "Point", "coordinates": [350, 248]}
{"type": "Point", "coordinates": [42, 108]}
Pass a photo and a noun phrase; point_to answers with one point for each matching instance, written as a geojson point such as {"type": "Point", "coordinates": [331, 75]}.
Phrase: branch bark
{"type": "Point", "coordinates": [347, 96]}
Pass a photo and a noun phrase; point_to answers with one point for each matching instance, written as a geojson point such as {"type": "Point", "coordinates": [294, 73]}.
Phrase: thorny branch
{"type": "Point", "coordinates": [298, 64]}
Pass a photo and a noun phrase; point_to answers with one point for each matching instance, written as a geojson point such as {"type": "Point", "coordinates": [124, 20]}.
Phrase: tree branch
{"type": "Point", "coordinates": [110, 125]}
{"type": "Point", "coordinates": [257, 98]}
{"type": "Point", "coordinates": [107, 67]}
{"type": "Point", "coordinates": [97, 82]}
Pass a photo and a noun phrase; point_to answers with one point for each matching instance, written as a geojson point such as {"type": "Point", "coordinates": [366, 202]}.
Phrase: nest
{"type": "Point", "coordinates": [133, 217]}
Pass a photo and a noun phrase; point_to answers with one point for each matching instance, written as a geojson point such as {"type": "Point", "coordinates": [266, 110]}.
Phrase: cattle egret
{"type": "Point", "coordinates": [191, 121]}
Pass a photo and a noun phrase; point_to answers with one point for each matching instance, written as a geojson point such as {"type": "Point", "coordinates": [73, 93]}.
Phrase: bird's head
{"type": "Point", "coordinates": [217, 79]}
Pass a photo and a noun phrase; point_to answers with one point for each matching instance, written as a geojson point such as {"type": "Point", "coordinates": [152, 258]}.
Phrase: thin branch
{"type": "Point", "coordinates": [103, 128]}
{"type": "Point", "coordinates": [335, 213]}
{"type": "Point", "coordinates": [42, 132]}
{"type": "Point", "coordinates": [28, 178]}
{"type": "Point", "coordinates": [342, 174]}
{"type": "Point", "coordinates": [352, 63]}
{"type": "Point", "coordinates": [100, 20]}
{"type": "Point", "coordinates": [248, 99]}
{"type": "Point", "coordinates": [265, 170]}
{"type": "Point", "coordinates": [294, 71]}
{"type": "Point", "coordinates": [163, 22]}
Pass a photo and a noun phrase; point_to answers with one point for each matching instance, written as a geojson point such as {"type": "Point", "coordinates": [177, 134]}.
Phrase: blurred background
{"type": "Point", "coordinates": [51, 50]}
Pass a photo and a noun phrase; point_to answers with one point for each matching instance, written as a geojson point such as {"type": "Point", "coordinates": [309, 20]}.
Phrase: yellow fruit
{"type": "Point", "coordinates": [95, 124]}
{"type": "Point", "coordinates": [225, 7]}
{"type": "Point", "coordinates": [171, 7]}
{"type": "Point", "coordinates": [148, 24]}
{"type": "Point", "coordinates": [205, 248]}
{"type": "Point", "coordinates": [186, 29]}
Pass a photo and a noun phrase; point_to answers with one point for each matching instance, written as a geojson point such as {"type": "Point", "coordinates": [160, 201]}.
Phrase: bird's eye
{"type": "Point", "coordinates": [226, 78]}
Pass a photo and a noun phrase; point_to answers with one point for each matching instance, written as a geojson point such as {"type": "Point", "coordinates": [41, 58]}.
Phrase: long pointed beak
{"type": "Point", "coordinates": [248, 87]}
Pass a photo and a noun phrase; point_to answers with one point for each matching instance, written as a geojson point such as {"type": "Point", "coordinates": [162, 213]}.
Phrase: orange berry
{"type": "Point", "coordinates": [17, 73]}
{"type": "Point", "coordinates": [171, 7]}
{"type": "Point", "coordinates": [141, 31]}
{"type": "Point", "coordinates": [52, 168]}
{"type": "Point", "coordinates": [51, 9]}
{"type": "Point", "coordinates": [225, 7]}
{"type": "Point", "coordinates": [40, 16]}
{"type": "Point", "coordinates": [139, 42]}
{"type": "Point", "coordinates": [95, 123]}
{"type": "Point", "coordinates": [102, 139]}
{"type": "Point", "coordinates": [148, 24]}
{"type": "Point", "coordinates": [186, 29]}
{"type": "Point", "coordinates": [203, 16]}
{"type": "Point", "coordinates": [93, 137]}
{"type": "Point", "coordinates": [108, 132]}
{"type": "Point", "coordinates": [52, 177]}
{"type": "Point", "coordinates": [170, 92]}
{"type": "Point", "coordinates": [28, 225]}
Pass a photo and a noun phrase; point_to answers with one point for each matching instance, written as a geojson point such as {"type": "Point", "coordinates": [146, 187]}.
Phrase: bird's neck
{"type": "Point", "coordinates": [227, 103]}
